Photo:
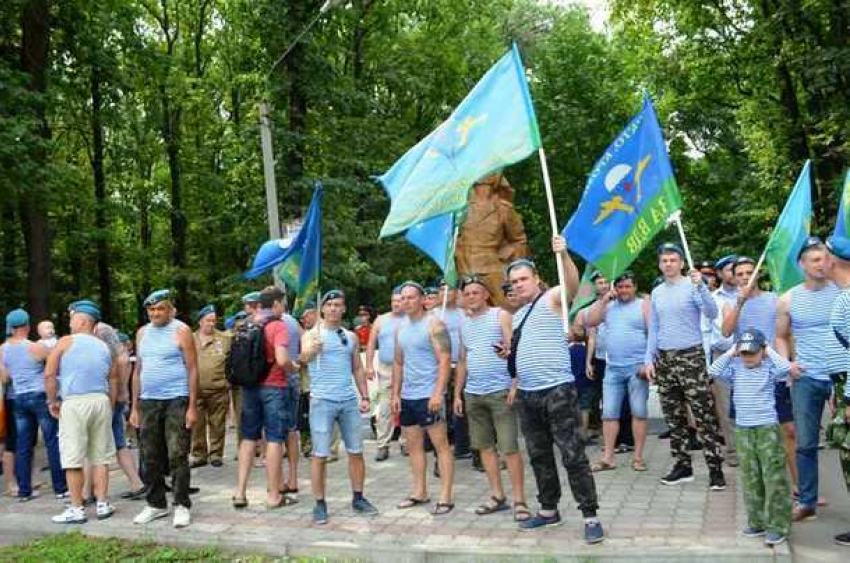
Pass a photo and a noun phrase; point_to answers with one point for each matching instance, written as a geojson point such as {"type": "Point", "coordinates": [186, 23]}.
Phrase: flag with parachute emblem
{"type": "Point", "coordinates": [586, 292]}
{"type": "Point", "coordinates": [842, 222]}
{"type": "Point", "coordinates": [790, 234]}
{"type": "Point", "coordinates": [628, 197]}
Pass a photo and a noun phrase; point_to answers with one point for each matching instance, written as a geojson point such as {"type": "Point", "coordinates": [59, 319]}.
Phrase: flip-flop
{"type": "Point", "coordinates": [521, 512]}
{"type": "Point", "coordinates": [239, 503]}
{"type": "Point", "coordinates": [410, 502]}
{"type": "Point", "coordinates": [638, 465]}
{"type": "Point", "coordinates": [602, 466]}
{"type": "Point", "coordinates": [280, 504]}
{"type": "Point", "coordinates": [497, 505]}
{"type": "Point", "coordinates": [443, 508]}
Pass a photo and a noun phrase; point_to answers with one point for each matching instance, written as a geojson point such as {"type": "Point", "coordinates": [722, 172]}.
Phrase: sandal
{"type": "Point", "coordinates": [638, 465]}
{"type": "Point", "coordinates": [410, 502]}
{"type": "Point", "coordinates": [492, 506]}
{"type": "Point", "coordinates": [442, 508]}
{"type": "Point", "coordinates": [602, 465]}
{"type": "Point", "coordinates": [239, 503]}
{"type": "Point", "coordinates": [521, 512]}
{"type": "Point", "coordinates": [284, 501]}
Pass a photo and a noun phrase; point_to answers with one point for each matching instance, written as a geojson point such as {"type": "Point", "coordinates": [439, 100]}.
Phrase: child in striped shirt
{"type": "Point", "coordinates": [753, 369]}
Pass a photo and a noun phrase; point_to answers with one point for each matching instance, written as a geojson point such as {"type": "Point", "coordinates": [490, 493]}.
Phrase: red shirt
{"type": "Point", "coordinates": [362, 332]}
{"type": "Point", "coordinates": [277, 336]}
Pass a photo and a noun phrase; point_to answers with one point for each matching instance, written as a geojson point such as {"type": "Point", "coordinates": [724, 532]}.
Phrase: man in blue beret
{"type": "Point", "coordinates": [209, 430]}
{"type": "Point", "coordinates": [88, 386]}
{"type": "Point", "coordinates": [675, 359]}
{"type": "Point", "coordinates": [165, 393]}
{"type": "Point", "coordinates": [22, 367]}
{"type": "Point", "coordinates": [804, 333]}
{"type": "Point", "coordinates": [251, 303]}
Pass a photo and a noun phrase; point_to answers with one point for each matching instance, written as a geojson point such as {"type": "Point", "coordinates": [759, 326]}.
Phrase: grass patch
{"type": "Point", "coordinates": [75, 547]}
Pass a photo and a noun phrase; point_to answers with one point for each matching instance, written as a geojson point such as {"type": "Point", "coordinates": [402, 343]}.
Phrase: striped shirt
{"type": "Point", "coordinates": [840, 322]}
{"type": "Point", "coordinates": [421, 366]}
{"type": "Point", "coordinates": [164, 374]}
{"type": "Point", "coordinates": [85, 366]}
{"type": "Point", "coordinates": [453, 319]}
{"type": "Point", "coordinates": [818, 351]}
{"type": "Point", "coordinates": [722, 296]}
{"type": "Point", "coordinates": [675, 320]}
{"type": "Point", "coordinates": [386, 337]}
{"type": "Point", "coordinates": [600, 350]}
{"type": "Point", "coordinates": [331, 375]}
{"type": "Point", "coordinates": [543, 355]}
{"type": "Point", "coordinates": [758, 312]}
{"type": "Point", "coordinates": [25, 371]}
{"type": "Point", "coordinates": [754, 388]}
{"type": "Point", "coordinates": [294, 328]}
{"type": "Point", "coordinates": [486, 372]}
{"type": "Point", "coordinates": [628, 331]}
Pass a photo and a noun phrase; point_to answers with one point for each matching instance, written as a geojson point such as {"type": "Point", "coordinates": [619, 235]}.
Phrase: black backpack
{"type": "Point", "coordinates": [246, 365]}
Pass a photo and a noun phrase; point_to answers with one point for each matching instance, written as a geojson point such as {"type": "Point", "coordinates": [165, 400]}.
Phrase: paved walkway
{"type": "Point", "coordinates": [643, 519]}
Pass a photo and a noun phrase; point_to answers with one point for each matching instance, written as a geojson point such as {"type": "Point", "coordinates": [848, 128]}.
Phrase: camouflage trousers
{"type": "Point", "coordinates": [767, 495]}
{"type": "Point", "coordinates": [682, 383]}
{"type": "Point", "coordinates": [548, 418]}
{"type": "Point", "coordinates": [165, 443]}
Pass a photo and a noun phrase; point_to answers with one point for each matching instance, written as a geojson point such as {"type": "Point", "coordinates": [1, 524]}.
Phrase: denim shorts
{"type": "Point", "coordinates": [118, 425]}
{"type": "Point", "coordinates": [11, 441]}
{"type": "Point", "coordinates": [324, 414]}
{"type": "Point", "coordinates": [293, 401]}
{"type": "Point", "coordinates": [265, 408]}
{"type": "Point", "coordinates": [621, 381]}
{"type": "Point", "coordinates": [414, 412]}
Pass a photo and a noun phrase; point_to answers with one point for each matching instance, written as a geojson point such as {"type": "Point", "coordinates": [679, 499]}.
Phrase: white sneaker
{"type": "Point", "coordinates": [72, 515]}
{"type": "Point", "coordinates": [182, 517]}
{"type": "Point", "coordinates": [149, 514]}
{"type": "Point", "coordinates": [104, 510]}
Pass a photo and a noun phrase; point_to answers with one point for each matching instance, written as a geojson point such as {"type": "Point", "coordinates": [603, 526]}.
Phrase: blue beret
{"type": "Point", "coordinates": [332, 294]}
{"type": "Point", "coordinates": [431, 290]}
{"type": "Point", "coordinates": [240, 315]}
{"type": "Point", "coordinates": [415, 285]}
{"type": "Point", "coordinates": [253, 297]}
{"type": "Point", "coordinates": [839, 246]}
{"type": "Point", "coordinates": [229, 323]}
{"type": "Point", "coordinates": [725, 261]}
{"type": "Point", "coordinates": [87, 307]}
{"type": "Point", "coordinates": [123, 337]}
{"type": "Point", "coordinates": [397, 290]}
{"type": "Point", "coordinates": [206, 310]}
{"type": "Point", "coordinates": [811, 242]}
{"type": "Point", "coordinates": [157, 296]}
{"type": "Point", "coordinates": [671, 247]}
{"type": "Point", "coordinates": [16, 319]}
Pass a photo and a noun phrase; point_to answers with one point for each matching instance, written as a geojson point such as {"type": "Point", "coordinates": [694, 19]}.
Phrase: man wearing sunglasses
{"type": "Point", "coordinates": [334, 358]}
{"type": "Point", "coordinates": [382, 339]}
{"type": "Point", "coordinates": [165, 392]}
{"type": "Point", "coordinates": [484, 394]}
{"type": "Point", "coordinates": [547, 397]}
{"type": "Point", "coordinates": [804, 334]}
{"type": "Point", "coordinates": [421, 370]}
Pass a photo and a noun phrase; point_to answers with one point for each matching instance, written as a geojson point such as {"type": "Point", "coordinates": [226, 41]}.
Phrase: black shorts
{"type": "Point", "coordinates": [784, 407]}
{"type": "Point", "coordinates": [415, 413]}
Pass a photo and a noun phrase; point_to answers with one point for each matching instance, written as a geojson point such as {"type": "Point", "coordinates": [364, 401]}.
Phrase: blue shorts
{"type": "Point", "coordinates": [293, 401]}
{"type": "Point", "coordinates": [324, 414]}
{"type": "Point", "coordinates": [621, 381]}
{"type": "Point", "coordinates": [118, 425]}
{"type": "Point", "coordinates": [414, 412]}
{"type": "Point", "coordinates": [265, 408]}
{"type": "Point", "coordinates": [784, 407]}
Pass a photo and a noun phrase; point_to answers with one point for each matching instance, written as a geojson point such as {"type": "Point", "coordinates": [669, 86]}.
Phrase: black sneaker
{"type": "Point", "coordinates": [843, 539]}
{"type": "Point", "coordinates": [679, 474]}
{"type": "Point", "coordinates": [717, 481]}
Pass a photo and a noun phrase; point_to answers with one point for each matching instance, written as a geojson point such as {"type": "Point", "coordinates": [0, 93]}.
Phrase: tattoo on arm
{"type": "Point", "coordinates": [441, 338]}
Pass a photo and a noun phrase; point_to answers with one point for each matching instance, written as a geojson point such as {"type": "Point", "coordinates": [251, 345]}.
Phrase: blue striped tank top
{"type": "Point", "coordinates": [84, 367]}
{"type": "Point", "coordinates": [164, 374]}
{"type": "Point", "coordinates": [331, 377]}
{"type": "Point", "coordinates": [386, 338]}
{"type": "Point", "coordinates": [453, 319]}
{"type": "Point", "coordinates": [486, 372]}
{"type": "Point", "coordinates": [26, 372]}
{"type": "Point", "coordinates": [818, 350]}
{"type": "Point", "coordinates": [627, 330]}
{"type": "Point", "coordinates": [421, 366]}
{"type": "Point", "coordinates": [758, 312]}
{"type": "Point", "coordinates": [543, 355]}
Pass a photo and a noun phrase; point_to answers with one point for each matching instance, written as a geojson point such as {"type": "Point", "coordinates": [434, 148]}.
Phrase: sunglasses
{"type": "Point", "coordinates": [342, 338]}
{"type": "Point", "coordinates": [470, 279]}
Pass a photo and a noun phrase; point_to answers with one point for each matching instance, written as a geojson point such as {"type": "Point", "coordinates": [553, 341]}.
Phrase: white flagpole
{"type": "Point", "coordinates": [754, 279]}
{"type": "Point", "coordinates": [565, 308]}
{"type": "Point", "coordinates": [677, 218]}
{"type": "Point", "coordinates": [319, 324]}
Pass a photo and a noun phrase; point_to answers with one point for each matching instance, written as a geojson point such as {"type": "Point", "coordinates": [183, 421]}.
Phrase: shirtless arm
{"type": "Point", "coordinates": [783, 332]}
{"type": "Point", "coordinates": [372, 346]}
{"type": "Point", "coordinates": [190, 355]}
{"type": "Point", "coordinates": [51, 370]}
{"type": "Point", "coordinates": [442, 344]}
{"type": "Point", "coordinates": [398, 373]}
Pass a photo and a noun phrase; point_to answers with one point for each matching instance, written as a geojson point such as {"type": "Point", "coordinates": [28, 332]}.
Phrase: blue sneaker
{"type": "Point", "coordinates": [752, 532]}
{"type": "Point", "coordinates": [774, 538]}
{"type": "Point", "coordinates": [364, 507]}
{"type": "Point", "coordinates": [540, 521]}
{"type": "Point", "coordinates": [593, 532]}
{"type": "Point", "coordinates": [320, 514]}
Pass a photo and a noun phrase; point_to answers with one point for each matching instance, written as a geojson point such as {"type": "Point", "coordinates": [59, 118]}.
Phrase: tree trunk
{"type": "Point", "coordinates": [171, 136]}
{"type": "Point", "coordinates": [35, 44]}
{"type": "Point", "coordinates": [100, 219]}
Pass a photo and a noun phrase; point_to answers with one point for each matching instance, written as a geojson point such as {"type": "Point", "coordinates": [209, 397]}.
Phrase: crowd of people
{"type": "Point", "coordinates": [465, 373]}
